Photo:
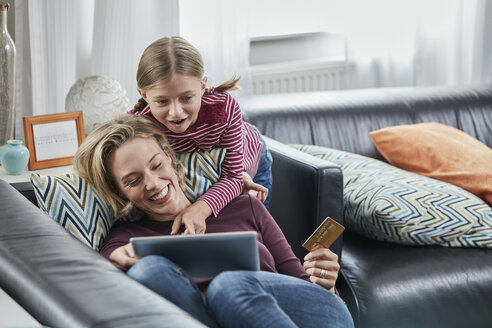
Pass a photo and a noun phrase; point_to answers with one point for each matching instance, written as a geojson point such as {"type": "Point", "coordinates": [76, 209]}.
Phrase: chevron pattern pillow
{"type": "Point", "coordinates": [389, 204]}
{"type": "Point", "coordinates": [202, 170]}
{"type": "Point", "coordinates": [75, 205]}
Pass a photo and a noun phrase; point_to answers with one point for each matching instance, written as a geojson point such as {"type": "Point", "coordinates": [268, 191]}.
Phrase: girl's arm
{"type": "Point", "coordinates": [230, 183]}
{"type": "Point", "coordinates": [253, 189]}
{"type": "Point", "coordinates": [195, 215]}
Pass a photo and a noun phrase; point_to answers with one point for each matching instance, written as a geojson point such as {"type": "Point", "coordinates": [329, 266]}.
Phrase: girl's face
{"type": "Point", "coordinates": [175, 102]}
{"type": "Point", "coordinates": [144, 175]}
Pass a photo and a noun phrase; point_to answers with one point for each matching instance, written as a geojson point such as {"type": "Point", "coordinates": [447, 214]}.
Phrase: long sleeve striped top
{"type": "Point", "coordinates": [220, 125]}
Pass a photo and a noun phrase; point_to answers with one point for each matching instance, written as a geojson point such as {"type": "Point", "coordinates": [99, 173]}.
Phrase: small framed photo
{"type": "Point", "coordinates": [53, 139]}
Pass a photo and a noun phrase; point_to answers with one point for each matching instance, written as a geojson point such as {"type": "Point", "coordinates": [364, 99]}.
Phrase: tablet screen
{"type": "Point", "coordinates": [206, 255]}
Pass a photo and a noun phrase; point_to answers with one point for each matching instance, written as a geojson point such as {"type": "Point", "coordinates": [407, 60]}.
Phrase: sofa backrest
{"type": "Point", "coordinates": [343, 119]}
{"type": "Point", "coordinates": [27, 190]}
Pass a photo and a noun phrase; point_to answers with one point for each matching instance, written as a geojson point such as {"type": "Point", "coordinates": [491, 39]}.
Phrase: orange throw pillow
{"type": "Point", "coordinates": [441, 152]}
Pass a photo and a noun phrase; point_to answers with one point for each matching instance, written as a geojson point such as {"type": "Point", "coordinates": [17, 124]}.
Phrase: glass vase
{"type": "Point", "coordinates": [7, 78]}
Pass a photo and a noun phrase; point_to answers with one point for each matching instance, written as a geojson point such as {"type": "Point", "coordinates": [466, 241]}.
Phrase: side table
{"type": "Point", "coordinates": [26, 175]}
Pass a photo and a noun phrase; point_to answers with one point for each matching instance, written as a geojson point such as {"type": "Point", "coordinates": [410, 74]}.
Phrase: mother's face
{"type": "Point", "coordinates": [144, 175]}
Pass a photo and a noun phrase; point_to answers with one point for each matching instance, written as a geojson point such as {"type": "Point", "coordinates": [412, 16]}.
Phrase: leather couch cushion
{"type": "Point", "coordinates": [386, 203]}
{"type": "Point", "coordinates": [439, 151]}
{"type": "Point", "coordinates": [418, 286]}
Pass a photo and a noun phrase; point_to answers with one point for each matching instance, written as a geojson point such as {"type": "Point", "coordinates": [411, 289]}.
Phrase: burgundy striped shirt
{"type": "Point", "coordinates": [220, 125]}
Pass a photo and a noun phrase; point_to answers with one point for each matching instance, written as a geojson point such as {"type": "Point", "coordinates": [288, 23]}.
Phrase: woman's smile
{"type": "Point", "coordinates": [161, 196]}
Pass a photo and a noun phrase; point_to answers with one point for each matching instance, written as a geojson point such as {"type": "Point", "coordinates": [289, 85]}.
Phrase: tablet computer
{"type": "Point", "coordinates": [206, 255]}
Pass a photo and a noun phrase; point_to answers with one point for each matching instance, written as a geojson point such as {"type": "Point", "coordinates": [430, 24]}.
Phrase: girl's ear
{"type": "Point", "coordinates": [204, 84]}
{"type": "Point", "coordinates": [142, 94]}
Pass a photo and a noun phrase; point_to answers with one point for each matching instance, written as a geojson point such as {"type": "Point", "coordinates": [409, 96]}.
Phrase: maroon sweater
{"type": "Point", "coordinates": [244, 213]}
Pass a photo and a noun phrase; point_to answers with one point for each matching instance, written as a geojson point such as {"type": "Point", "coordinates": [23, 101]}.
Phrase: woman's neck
{"type": "Point", "coordinates": [184, 203]}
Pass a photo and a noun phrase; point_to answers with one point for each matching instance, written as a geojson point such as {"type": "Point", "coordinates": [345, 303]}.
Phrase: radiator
{"type": "Point", "coordinates": [298, 76]}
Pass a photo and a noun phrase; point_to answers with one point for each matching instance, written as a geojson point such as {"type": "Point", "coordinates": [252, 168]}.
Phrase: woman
{"type": "Point", "coordinates": [129, 161]}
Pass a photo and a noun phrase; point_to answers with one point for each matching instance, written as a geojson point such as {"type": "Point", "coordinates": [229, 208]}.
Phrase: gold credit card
{"type": "Point", "coordinates": [324, 235]}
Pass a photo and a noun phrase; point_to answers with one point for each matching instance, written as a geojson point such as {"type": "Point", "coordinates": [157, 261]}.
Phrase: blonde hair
{"type": "Point", "coordinates": [91, 159]}
{"type": "Point", "coordinates": [168, 56]}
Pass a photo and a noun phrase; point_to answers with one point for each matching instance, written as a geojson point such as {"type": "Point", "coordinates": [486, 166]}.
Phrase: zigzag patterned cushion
{"type": "Point", "coordinates": [75, 205]}
{"type": "Point", "coordinates": [386, 203]}
{"type": "Point", "coordinates": [202, 170]}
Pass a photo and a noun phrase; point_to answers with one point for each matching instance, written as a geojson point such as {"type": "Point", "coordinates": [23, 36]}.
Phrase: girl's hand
{"type": "Point", "coordinates": [322, 265]}
{"type": "Point", "coordinates": [193, 217]}
{"type": "Point", "coordinates": [123, 257]}
{"type": "Point", "coordinates": [253, 189]}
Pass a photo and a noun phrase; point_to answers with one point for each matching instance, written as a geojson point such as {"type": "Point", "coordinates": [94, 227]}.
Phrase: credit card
{"type": "Point", "coordinates": [324, 235]}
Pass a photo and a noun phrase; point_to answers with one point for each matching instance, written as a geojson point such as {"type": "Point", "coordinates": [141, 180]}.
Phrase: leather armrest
{"type": "Point", "coordinates": [305, 191]}
{"type": "Point", "coordinates": [63, 283]}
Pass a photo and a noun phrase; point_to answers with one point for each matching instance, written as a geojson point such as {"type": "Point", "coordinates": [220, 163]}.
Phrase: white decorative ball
{"type": "Point", "coordinates": [99, 97]}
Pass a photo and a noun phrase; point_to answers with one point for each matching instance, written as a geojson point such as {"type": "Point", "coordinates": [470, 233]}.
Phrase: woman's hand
{"type": "Point", "coordinates": [123, 257]}
{"type": "Point", "coordinates": [253, 189]}
{"type": "Point", "coordinates": [322, 265]}
{"type": "Point", "coordinates": [193, 217]}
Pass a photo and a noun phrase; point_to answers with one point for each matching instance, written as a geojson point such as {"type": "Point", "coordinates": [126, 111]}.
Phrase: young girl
{"type": "Point", "coordinates": [171, 81]}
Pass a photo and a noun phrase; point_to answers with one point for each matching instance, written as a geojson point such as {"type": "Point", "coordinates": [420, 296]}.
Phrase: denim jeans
{"type": "Point", "coordinates": [244, 298]}
{"type": "Point", "coordinates": [264, 173]}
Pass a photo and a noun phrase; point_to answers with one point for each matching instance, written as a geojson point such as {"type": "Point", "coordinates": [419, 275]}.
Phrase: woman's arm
{"type": "Point", "coordinates": [123, 257]}
{"type": "Point", "coordinates": [118, 237]}
{"type": "Point", "coordinates": [285, 260]}
{"type": "Point", "coordinates": [274, 240]}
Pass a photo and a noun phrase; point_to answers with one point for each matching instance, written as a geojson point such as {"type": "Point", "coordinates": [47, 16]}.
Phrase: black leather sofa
{"type": "Point", "coordinates": [385, 284]}
{"type": "Point", "coordinates": [63, 283]}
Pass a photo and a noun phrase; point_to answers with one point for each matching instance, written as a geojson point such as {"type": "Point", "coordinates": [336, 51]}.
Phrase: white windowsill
{"type": "Point", "coordinates": [273, 37]}
{"type": "Point", "coordinates": [26, 175]}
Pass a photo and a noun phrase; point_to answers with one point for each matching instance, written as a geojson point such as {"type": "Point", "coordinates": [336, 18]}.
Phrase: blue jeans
{"type": "Point", "coordinates": [244, 298]}
{"type": "Point", "coordinates": [264, 173]}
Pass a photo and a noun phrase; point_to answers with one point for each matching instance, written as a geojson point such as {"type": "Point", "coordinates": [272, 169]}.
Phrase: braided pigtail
{"type": "Point", "coordinates": [228, 85]}
{"type": "Point", "coordinates": [139, 106]}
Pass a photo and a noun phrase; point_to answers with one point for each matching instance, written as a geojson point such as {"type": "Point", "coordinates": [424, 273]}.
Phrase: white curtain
{"type": "Point", "coordinates": [122, 30]}
{"type": "Point", "coordinates": [412, 43]}
{"type": "Point", "coordinates": [61, 41]}
{"type": "Point", "coordinates": [219, 29]}
{"type": "Point", "coordinates": [45, 42]}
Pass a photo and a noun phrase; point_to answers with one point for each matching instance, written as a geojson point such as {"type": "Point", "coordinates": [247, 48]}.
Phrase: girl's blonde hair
{"type": "Point", "coordinates": [168, 56]}
{"type": "Point", "coordinates": [91, 159]}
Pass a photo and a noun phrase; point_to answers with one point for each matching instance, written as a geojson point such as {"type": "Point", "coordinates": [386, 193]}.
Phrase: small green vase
{"type": "Point", "coordinates": [14, 157]}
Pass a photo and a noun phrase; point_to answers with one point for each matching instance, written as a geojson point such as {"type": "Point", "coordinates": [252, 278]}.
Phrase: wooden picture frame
{"type": "Point", "coordinates": [53, 139]}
